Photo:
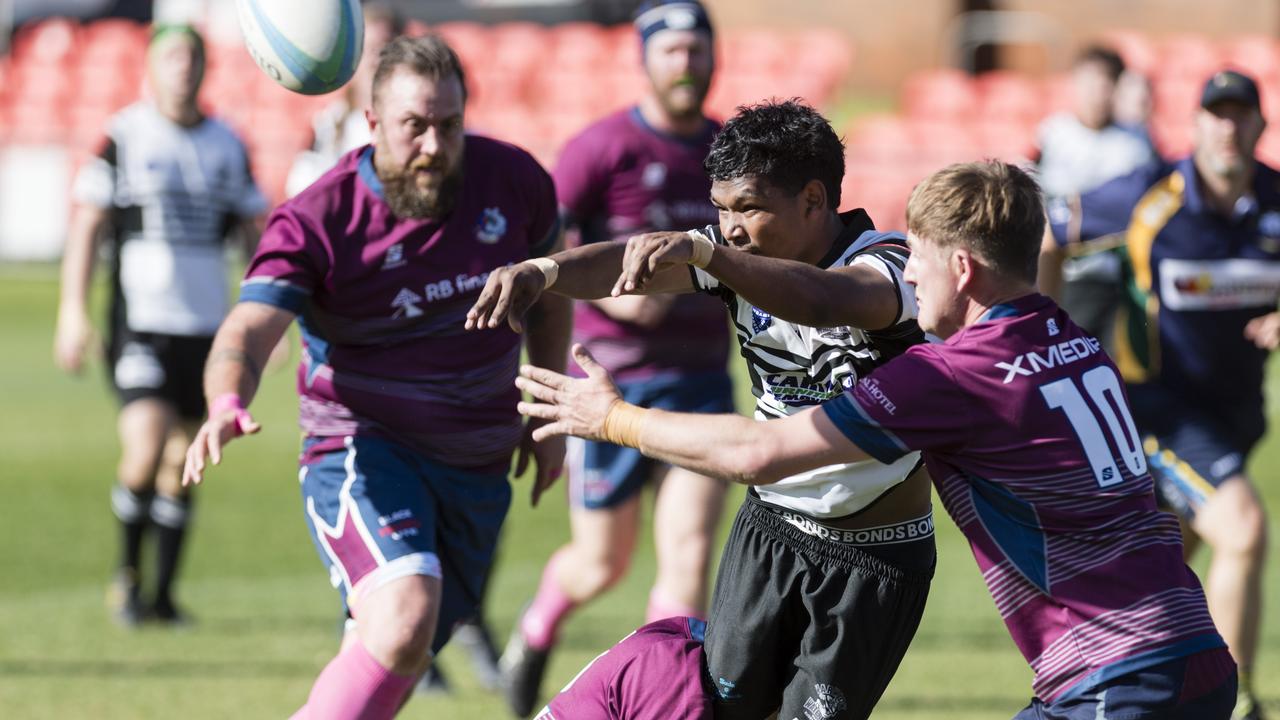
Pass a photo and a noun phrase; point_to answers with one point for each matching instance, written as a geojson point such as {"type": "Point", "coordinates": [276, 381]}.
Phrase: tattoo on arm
{"type": "Point", "coordinates": [237, 356]}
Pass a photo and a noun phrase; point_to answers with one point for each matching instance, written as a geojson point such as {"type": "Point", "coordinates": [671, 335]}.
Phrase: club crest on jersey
{"type": "Point", "coordinates": [491, 226]}
{"type": "Point", "coordinates": [760, 320]}
{"type": "Point", "coordinates": [394, 257]}
{"type": "Point", "coordinates": [406, 304]}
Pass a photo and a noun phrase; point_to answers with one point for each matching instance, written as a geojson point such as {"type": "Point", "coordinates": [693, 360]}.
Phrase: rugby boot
{"type": "Point", "coordinates": [432, 682]}
{"type": "Point", "coordinates": [474, 637]}
{"type": "Point", "coordinates": [124, 599]}
{"type": "Point", "coordinates": [522, 668]}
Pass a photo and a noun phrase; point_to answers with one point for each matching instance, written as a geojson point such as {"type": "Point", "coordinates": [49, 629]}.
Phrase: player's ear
{"type": "Point", "coordinates": [814, 196]}
{"type": "Point", "coordinates": [962, 265]}
{"type": "Point", "coordinates": [371, 119]}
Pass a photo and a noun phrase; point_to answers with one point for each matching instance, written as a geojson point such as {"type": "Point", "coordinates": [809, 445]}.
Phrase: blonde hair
{"type": "Point", "coordinates": [993, 208]}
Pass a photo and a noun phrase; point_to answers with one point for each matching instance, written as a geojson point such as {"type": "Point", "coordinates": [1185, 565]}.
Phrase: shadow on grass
{"type": "Point", "coordinates": [156, 668]}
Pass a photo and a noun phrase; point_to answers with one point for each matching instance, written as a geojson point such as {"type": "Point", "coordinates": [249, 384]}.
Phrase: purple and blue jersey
{"type": "Point", "coordinates": [618, 178]}
{"type": "Point", "coordinates": [654, 673]}
{"type": "Point", "coordinates": [1026, 430]}
{"type": "Point", "coordinates": [381, 302]}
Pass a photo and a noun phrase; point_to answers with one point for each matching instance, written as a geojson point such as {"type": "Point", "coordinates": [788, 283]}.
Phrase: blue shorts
{"type": "Point", "coordinates": [1196, 687]}
{"type": "Point", "coordinates": [604, 475]}
{"type": "Point", "coordinates": [378, 511]}
{"type": "Point", "coordinates": [1190, 449]}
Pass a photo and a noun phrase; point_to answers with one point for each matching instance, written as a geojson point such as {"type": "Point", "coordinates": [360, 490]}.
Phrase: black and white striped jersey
{"type": "Point", "coordinates": [174, 193]}
{"type": "Point", "coordinates": [794, 367]}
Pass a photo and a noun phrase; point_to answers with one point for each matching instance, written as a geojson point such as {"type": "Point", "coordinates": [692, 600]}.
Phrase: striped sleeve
{"type": "Point", "coordinates": [703, 281]}
{"type": "Point", "coordinates": [290, 263]}
{"type": "Point", "coordinates": [913, 402]}
{"type": "Point", "coordinates": [890, 260]}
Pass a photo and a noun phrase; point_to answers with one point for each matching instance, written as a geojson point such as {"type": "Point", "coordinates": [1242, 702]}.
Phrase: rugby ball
{"type": "Point", "coordinates": [308, 46]}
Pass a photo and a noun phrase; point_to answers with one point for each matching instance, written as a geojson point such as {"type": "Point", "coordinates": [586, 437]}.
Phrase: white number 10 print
{"type": "Point", "coordinates": [1099, 383]}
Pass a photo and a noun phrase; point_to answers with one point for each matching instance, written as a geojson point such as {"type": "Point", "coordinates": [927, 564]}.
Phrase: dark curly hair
{"type": "Point", "coordinates": [786, 143]}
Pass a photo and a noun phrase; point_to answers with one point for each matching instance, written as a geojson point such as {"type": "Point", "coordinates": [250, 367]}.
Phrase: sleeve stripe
{"type": "Point", "coordinates": [864, 432]}
{"type": "Point", "coordinates": [277, 293]}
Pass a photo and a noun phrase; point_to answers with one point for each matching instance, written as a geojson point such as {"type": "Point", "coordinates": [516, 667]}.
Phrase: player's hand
{"type": "Point", "coordinates": [573, 406]}
{"type": "Point", "coordinates": [547, 456]}
{"type": "Point", "coordinates": [649, 253]}
{"type": "Point", "coordinates": [508, 294]}
{"type": "Point", "coordinates": [209, 441]}
{"type": "Point", "coordinates": [1264, 331]}
{"type": "Point", "coordinates": [70, 341]}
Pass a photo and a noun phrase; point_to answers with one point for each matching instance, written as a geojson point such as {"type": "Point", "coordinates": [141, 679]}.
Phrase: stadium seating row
{"type": "Point", "coordinates": [531, 84]}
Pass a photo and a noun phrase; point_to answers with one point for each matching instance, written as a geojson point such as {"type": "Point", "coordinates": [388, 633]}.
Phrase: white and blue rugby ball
{"type": "Point", "coordinates": [308, 46]}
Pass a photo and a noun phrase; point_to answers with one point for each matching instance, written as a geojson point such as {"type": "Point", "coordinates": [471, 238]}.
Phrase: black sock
{"type": "Point", "coordinates": [171, 516]}
{"type": "Point", "coordinates": [133, 510]}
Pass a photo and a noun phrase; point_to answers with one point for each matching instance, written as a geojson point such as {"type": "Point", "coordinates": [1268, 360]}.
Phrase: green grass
{"type": "Point", "coordinates": [267, 619]}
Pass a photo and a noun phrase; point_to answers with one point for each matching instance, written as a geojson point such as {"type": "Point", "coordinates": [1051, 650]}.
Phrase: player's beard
{"type": "Point", "coordinates": [409, 199]}
{"type": "Point", "coordinates": [684, 97]}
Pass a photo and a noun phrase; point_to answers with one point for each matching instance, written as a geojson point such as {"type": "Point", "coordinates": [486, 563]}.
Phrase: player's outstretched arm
{"type": "Point", "coordinates": [231, 374]}
{"type": "Point", "coordinates": [550, 324]}
{"type": "Point", "coordinates": [74, 330]}
{"type": "Point", "coordinates": [583, 273]}
{"type": "Point", "coordinates": [726, 446]}
{"type": "Point", "coordinates": [857, 296]}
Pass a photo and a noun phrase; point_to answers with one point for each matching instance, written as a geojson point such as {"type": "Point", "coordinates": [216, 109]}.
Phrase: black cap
{"type": "Point", "coordinates": [1229, 85]}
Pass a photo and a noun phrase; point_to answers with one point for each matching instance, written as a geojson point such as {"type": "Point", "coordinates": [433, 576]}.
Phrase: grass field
{"type": "Point", "coordinates": [267, 619]}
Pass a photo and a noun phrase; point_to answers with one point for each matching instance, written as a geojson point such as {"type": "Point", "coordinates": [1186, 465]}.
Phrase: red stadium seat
{"type": "Point", "coordinates": [824, 52]}
{"type": "Point", "coordinates": [1257, 55]}
{"type": "Point", "coordinates": [1011, 141]}
{"type": "Point", "coordinates": [755, 51]}
{"type": "Point", "coordinates": [470, 40]}
{"type": "Point", "coordinates": [580, 46]}
{"type": "Point", "coordinates": [1190, 57]}
{"type": "Point", "coordinates": [518, 47]}
{"type": "Point", "coordinates": [881, 141]}
{"type": "Point", "coordinates": [1009, 96]}
{"type": "Point", "coordinates": [1172, 135]}
{"type": "Point", "coordinates": [48, 42]}
{"type": "Point", "coordinates": [1177, 97]}
{"type": "Point", "coordinates": [1059, 93]}
{"type": "Point", "coordinates": [940, 94]}
{"type": "Point", "coordinates": [1139, 52]}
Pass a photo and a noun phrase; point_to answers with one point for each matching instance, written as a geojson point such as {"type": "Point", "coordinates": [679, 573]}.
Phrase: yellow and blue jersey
{"type": "Point", "coordinates": [1194, 278]}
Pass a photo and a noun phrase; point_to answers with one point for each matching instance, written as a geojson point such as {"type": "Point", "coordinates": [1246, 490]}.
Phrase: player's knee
{"type": "Point", "coordinates": [398, 622]}
{"type": "Point", "coordinates": [602, 568]}
{"type": "Point", "coordinates": [1240, 521]}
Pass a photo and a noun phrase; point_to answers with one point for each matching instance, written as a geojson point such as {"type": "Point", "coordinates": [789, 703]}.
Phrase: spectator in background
{"type": "Point", "coordinates": [1078, 152]}
{"type": "Point", "coordinates": [1133, 103]}
{"type": "Point", "coordinates": [1200, 240]}
{"type": "Point", "coordinates": [165, 188]}
{"type": "Point", "coordinates": [341, 126]}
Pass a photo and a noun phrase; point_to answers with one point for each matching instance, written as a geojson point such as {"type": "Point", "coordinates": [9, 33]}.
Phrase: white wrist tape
{"type": "Point", "coordinates": [550, 270]}
{"type": "Point", "coordinates": [703, 249]}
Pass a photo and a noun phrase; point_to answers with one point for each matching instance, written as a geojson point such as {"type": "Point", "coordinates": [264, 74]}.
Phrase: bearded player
{"type": "Point", "coordinates": [409, 421]}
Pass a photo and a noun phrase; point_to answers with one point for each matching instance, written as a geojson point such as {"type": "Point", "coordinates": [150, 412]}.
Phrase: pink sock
{"type": "Point", "coordinates": [541, 622]}
{"type": "Point", "coordinates": [354, 686]}
{"type": "Point", "coordinates": [662, 607]}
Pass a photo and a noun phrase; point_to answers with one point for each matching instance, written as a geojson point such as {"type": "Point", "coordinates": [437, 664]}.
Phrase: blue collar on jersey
{"type": "Point", "coordinates": [701, 138]}
{"type": "Point", "coordinates": [368, 174]}
{"type": "Point", "coordinates": [1015, 307]}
